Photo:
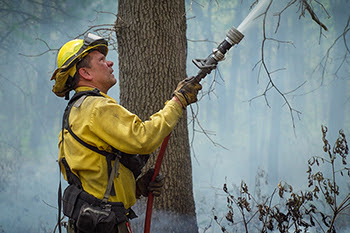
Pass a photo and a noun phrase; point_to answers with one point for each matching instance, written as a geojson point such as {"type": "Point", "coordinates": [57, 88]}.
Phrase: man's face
{"type": "Point", "coordinates": [101, 70]}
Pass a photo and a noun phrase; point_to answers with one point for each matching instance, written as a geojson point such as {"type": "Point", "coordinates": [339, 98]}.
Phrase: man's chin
{"type": "Point", "coordinates": [114, 81]}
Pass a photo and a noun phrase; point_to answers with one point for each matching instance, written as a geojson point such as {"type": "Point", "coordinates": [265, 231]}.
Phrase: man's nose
{"type": "Point", "coordinates": [110, 63]}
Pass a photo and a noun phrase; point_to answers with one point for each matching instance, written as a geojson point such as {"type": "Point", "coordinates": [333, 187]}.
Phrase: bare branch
{"type": "Point", "coordinates": [53, 207]}
{"type": "Point", "coordinates": [191, 4]}
{"type": "Point", "coordinates": [38, 55]}
{"type": "Point", "coordinates": [58, 9]}
{"type": "Point", "coordinates": [313, 14]}
{"type": "Point", "coordinates": [14, 84]}
{"type": "Point", "coordinates": [21, 13]}
{"type": "Point", "coordinates": [281, 41]}
{"type": "Point", "coordinates": [346, 30]}
{"type": "Point", "coordinates": [280, 13]}
{"type": "Point", "coordinates": [204, 40]}
{"type": "Point", "coordinates": [324, 9]}
{"type": "Point", "coordinates": [286, 93]}
{"type": "Point", "coordinates": [326, 58]}
{"type": "Point", "coordinates": [195, 121]}
{"type": "Point", "coordinates": [271, 85]}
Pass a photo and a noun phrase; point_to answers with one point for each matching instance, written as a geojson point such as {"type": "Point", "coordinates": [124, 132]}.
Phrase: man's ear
{"type": "Point", "coordinates": [84, 73]}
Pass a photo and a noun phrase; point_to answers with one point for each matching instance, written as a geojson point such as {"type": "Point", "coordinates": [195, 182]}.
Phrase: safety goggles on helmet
{"type": "Point", "coordinates": [90, 41]}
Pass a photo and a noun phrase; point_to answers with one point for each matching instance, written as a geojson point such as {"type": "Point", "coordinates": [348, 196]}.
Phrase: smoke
{"type": "Point", "coordinates": [29, 202]}
{"type": "Point", "coordinates": [248, 134]}
{"type": "Point", "coordinates": [165, 221]}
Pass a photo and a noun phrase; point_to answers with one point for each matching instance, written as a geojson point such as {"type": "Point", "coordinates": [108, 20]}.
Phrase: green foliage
{"type": "Point", "coordinates": [317, 207]}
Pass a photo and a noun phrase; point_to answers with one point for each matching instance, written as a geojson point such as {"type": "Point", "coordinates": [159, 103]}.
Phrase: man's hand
{"type": "Point", "coordinates": [144, 185]}
{"type": "Point", "coordinates": [187, 91]}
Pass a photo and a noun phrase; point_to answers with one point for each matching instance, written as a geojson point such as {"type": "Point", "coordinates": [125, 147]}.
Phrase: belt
{"type": "Point", "coordinates": [74, 198]}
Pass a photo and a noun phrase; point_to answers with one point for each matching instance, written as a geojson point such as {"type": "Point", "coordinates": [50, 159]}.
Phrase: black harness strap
{"type": "Point", "coordinates": [108, 155]}
{"type": "Point", "coordinates": [71, 177]}
{"type": "Point", "coordinates": [135, 163]}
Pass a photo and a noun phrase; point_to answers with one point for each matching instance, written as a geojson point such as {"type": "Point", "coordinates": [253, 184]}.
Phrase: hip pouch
{"type": "Point", "coordinates": [90, 214]}
{"type": "Point", "coordinates": [96, 219]}
{"type": "Point", "coordinates": [70, 201]}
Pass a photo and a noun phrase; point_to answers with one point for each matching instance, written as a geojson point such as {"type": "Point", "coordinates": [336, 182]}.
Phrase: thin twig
{"type": "Point", "coordinates": [313, 14]}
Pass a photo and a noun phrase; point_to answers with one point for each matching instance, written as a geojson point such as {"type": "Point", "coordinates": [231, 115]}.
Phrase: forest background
{"type": "Point", "coordinates": [243, 135]}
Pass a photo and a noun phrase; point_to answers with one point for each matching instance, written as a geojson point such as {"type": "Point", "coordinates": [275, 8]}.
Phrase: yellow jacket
{"type": "Point", "coordinates": [103, 123]}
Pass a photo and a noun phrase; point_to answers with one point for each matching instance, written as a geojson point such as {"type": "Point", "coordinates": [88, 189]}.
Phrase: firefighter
{"type": "Point", "coordinates": [103, 146]}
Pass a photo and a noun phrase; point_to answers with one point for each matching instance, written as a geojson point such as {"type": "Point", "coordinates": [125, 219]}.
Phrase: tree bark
{"type": "Point", "coordinates": [152, 51]}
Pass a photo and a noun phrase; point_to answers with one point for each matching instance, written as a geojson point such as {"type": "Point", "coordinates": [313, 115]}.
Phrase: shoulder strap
{"type": "Point", "coordinates": [77, 100]}
{"type": "Point", "coordinates": [114, 172]}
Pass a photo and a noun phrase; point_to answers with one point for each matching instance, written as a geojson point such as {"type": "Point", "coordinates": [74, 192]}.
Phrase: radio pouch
{"type": "Point", "coordinates": [70, 198]}
{"type": "Point", "coordinates": [96, 219]}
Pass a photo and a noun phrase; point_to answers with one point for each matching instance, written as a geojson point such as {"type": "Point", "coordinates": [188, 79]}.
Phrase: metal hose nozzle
{"type": "Point", "coordinates": [206, 65]}
{"type": "Point", "coordinates": [234, 36]}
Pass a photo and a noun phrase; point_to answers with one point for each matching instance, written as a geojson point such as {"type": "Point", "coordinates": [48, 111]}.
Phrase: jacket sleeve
{"type": "Point", "coordinates": [126, 132]}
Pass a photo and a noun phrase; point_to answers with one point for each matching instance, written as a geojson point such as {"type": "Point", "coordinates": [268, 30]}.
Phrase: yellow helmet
{"type": "Point", "coordinates": [69, 55]}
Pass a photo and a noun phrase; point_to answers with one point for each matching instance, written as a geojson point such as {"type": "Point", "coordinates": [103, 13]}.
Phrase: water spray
{"type": "Point", "coordinates": [233, 36]}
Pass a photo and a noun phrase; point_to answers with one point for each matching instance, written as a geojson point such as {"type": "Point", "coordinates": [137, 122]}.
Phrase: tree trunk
{"type": "Point", "coordinates": [152, 51]}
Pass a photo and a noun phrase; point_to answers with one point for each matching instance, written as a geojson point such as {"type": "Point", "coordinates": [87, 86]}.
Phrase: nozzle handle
{"type": "Point", "coordinates": [208, 64]}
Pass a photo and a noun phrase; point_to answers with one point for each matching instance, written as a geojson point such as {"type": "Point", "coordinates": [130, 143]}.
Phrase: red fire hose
{"type": "Point", "coordinates": [206, 66]}
{"type": "Point", "coordinates": [156, 172]}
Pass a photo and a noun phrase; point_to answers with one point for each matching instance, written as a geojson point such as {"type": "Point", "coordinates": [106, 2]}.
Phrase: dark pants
{"type": "Point", "coordinates": [120, 228]}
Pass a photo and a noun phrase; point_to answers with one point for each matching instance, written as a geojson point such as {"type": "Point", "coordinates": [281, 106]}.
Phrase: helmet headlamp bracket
{"type": "Point", "coordinates": [92, 39]}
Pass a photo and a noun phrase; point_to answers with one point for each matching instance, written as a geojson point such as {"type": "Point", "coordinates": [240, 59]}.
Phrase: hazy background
{"type": "Point", "coordinates": [245, 137]}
